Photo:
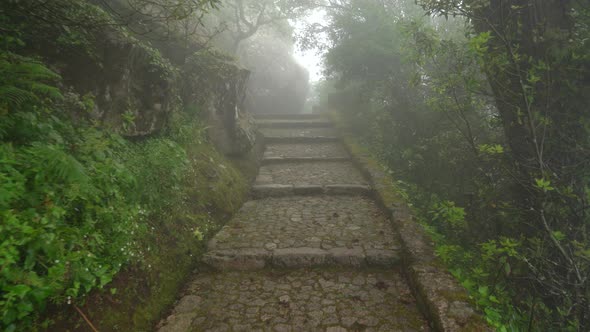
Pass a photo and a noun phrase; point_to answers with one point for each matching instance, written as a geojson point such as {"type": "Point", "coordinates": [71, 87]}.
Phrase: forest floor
{"type": "Point", "coordinates": [311, 252]}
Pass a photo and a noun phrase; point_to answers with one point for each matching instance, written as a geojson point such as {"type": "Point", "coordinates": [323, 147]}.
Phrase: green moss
{"type": "Point", "coordinates": [387, 190]}
{"type": "Point", "coordinates": [455, 295]}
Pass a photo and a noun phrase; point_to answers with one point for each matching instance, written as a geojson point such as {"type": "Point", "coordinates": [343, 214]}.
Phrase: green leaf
{"type": "Point", "coordinates": [559, 236]}
{"type": "Point", "coordinates": [543, 184]}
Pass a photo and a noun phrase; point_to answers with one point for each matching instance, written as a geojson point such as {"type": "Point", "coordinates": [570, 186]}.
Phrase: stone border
{"type": "Point", "coordinates": [441, 298]}
{"type": "Point", "coordinates": [279, 160]}
{"type": "Point", "coordinates": [300, 139]}
{"type": "Point", "coordinates": [259, 191]}
{"type": "Point", "coordinates": [292, 116]}
{"type": "Point", "coordinates": [244, 259]}
{"type": "Point", "coordinates": [294, 124]}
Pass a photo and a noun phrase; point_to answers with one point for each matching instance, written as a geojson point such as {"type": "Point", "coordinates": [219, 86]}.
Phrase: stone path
{"type": "Point", "coordinates": [311, 252]}
{"type": "Point", "coordinates": [309, 173]}
{"type": "Point", "coordinates": [329, 150]}
{"type": "Point", "coordinates": [291, 135]}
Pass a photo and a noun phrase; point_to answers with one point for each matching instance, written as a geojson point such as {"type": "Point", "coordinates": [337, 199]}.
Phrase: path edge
{"type": "Point", "coordinates": [441, 298]}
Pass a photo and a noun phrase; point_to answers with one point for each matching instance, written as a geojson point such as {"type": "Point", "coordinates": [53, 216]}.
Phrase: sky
{"type": "Point", "coordinates": [310, 59]}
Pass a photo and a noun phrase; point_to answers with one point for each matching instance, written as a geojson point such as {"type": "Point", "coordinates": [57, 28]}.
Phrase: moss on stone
{"type": "Point", "coordinates": [454, 295]}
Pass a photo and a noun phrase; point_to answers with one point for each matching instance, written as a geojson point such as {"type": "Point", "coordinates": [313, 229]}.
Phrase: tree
{"type": "Point", "coordinates": [243, 19]}
{"type": "Point", "coordinates": [486, 110]}
{"type": "Point", "coordinates": [536, 58]}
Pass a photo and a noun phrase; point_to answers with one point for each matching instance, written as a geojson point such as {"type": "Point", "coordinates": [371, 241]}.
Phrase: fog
{"type": "Point", "coordinates": [143, 142]}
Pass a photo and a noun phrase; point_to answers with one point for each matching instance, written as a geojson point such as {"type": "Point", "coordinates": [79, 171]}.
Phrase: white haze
{"type": "Point", "coordinates": [310, 59]}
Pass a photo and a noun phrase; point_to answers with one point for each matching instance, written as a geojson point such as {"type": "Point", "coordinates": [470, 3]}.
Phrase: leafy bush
{"type": "Point", "coordinates": [463, 109]}
{"type": "Point", "coordinates": [78, 204]}
{"type": "Point", "coordinates": [69, 223]}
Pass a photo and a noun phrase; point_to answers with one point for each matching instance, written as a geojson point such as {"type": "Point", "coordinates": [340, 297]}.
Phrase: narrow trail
{"type": "Point", "coordinates": [311, 252]}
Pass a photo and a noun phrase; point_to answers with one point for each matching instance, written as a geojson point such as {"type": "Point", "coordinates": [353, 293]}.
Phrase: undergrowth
{"type": "Point", "coordinates": [81, 206]}
{"type": "Point", "coordinates": [483, 269]}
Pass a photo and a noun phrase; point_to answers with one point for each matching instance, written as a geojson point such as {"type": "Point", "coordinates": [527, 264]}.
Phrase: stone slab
{"type": "Point", "coordinates": [318, 151]}
{"type": "Point", "coordinates": [334, 300]}
{"type": "Point", "coordinates": [317, 222]}
{"type": "Point", "coordinates": [293, 123]}
{"type": "Point", "coordinates": [279, 190]}
{"type": "Point", "coordinates": [310, 173]}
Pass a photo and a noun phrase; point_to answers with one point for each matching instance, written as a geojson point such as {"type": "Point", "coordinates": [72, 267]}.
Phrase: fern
{"type": "Point", "coordinates": [16, 97]}
{"type": "Point", "coordinates": [56, 165]}
{"type": "Point", "coordinates": [24, 80]}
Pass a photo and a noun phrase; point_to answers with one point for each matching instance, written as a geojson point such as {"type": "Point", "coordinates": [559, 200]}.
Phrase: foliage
{"type": "Point", "coordinates": [447, 213]}
{"type": "Point", "coordinates": [78, 18]}
{"type": "Point", "coordinates": [68, 218]}
{"type": "Point", "coordinates": [23, 80]}
{"type": "Point", "coordinates": [80, 204]}
{"type": "Point", "coordinates": [483, 117]}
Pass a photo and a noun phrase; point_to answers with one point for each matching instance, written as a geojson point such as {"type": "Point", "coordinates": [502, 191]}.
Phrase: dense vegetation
{"type": "Point", "coordinates": [81, 205]}
{"type": "Point", "coordinates": [480, 110]}
{"type": "Point", "coordinates": [477, 107]}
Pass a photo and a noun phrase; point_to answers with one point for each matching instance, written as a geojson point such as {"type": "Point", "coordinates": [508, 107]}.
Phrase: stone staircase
{"type": "Point", "coordinates": [311, 252]}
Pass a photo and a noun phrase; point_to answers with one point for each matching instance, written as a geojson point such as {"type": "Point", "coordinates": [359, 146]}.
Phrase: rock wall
{"type": "Point", "coordinates": [136, 89]}
{"type": "Point", "coordinates": [216, 84]}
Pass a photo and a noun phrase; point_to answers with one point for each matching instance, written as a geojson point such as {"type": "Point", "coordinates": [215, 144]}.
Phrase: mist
{"type": "Point", "coordinates": [294, 165]}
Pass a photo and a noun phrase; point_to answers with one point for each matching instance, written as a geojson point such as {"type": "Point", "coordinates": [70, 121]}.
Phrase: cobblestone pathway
{"type": "Point", "coordinates": [312, 253]}
{"type": "Point", "coordinates": [291, 134]}
{"type": "Point", "coordinates": [302, 150]}
{"type": "Point", "coordinates": [309, 173]}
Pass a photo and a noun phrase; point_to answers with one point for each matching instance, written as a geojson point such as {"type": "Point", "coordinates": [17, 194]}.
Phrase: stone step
{"type": "Point", "coordinates": [279, 160]}
{"type": "Point", "coordinates": [289, 123]}
{"type": "Point", "coordinates": [302, 231]}
{"type": "Point", "coordinates": [254, 259]}
{"type": "Point", "coordinates": [299, 133]}
{"type": "Point", "coordinates": [288, 116]}
{"type": "Point", "coordinates": [307, 139]}
{"type": "Point", "coordinates": [326, 300]}
{"type": "Point", "coordinates": [303, 151]}
{"type": "Point", "coordinates": [318, 173]}
{"type": "Point", "coordinates": [280, 190]}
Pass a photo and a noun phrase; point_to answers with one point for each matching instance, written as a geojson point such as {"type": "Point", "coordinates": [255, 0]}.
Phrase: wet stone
{"type": "Point", "coordinates": [298, 231]}
{"type": "Point", "coordinates": [293, 123]}
{"type": "Point", "coordinates": [305, 150]}
{"type": "Point", "coordinates": [310, 173]}
{"type": "Point", "coordinates": [298, 132]}
{"type": "Point", "coordinates": [302, 255]}
{"type": "Point", "coordinates": [336, 329]}
{"type": "Point", "coordinates": [284, 309]}
{"type": "Point", "coordinates": [187, 304]}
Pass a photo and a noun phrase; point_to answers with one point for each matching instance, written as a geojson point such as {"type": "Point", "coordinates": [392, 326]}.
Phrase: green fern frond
{"type": "Point", "coordinates": [33, 70]}
{"type": "Point", "coordinates": [23, 80]}
{"type": "Point", "coordinates": [57, 165]}
{"type": "Point", "coordinates": [16, 97]}
{"type": "Point", "coordinates": [46, 90]}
